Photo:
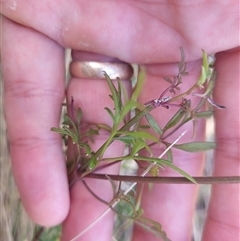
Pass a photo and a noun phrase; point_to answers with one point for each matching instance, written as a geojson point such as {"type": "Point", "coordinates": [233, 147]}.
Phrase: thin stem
{"type": "Point", "coordinates": [169, 180]}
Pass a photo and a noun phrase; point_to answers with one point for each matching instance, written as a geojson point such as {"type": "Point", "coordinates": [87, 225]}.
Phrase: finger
{"type": "Point", "coordinates": [172, 205]}
{"type": "Point", "coordinates": [133, 31]}
{"type": "Point", "coordinates": [33, 73]}
{"type": "Point", "coordinates": [223, 214]}
{"type": "Point", "coordinates": [92, 96]}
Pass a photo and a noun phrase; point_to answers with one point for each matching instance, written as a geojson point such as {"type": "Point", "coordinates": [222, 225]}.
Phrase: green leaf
{"type": "Point", "coordinates": [126, 139]}
{"type": "Point", "coordinates": [74, 135]}
{"type": "Point", "coordinates": [66, 131]}
{"type": "Point", "coordinates": [167, 79]}
{"type": "Point", "coordinates": [196, 146]}
{"type": "Point", "coordinates": [104, 127]}
{"type": "Point", "coordinates": [78, 116]}
{"type": "Point", "coordinates": [114, 93]}
{"type": "Point", "coordinates": [66, 120]}
{"type": "Point", "coordinates": [165, 162]}
{"type": "Point", "coordinates": [205, 63]}
{"type": "Point", "coordinates": [180, 171]}
{"type": "Point", "coordinates": [139, 134]}
{"type": "Point", "coordinates": [110, 113]}
{"type": "Point", "coordinates": [175, 119]}
{"type": "Point", "coordinates": [205, 72]}
{"type": "Point", "coordinates": [119, 97]}
{"type": "Point", "coordinates": [72, 124]}
{"type": "Point", "coordinates": [169, 155]}
{"type": "Point", "coordinates": [153, 124]}
{"type": "Point", "coordinates": [182, 64]}
{"type": "Point", "coordinates": [136, 118]}
{"type": "Point", "coordinates": [204, 114]}
{"type": "Point", "coordinates": [211, 83]}
{"type": "Point", "coordinates": [124, 93]}
{"type": "Point", "coordinates": [138, 145]}
{"type": "Point", "coordinates": [131, 104]}
{"type": "Point", "coordinates": [58, 130]}
{"type": "Point", "coordinates": [86, 146]}
{"type": "Point", "coordinates": [139, 84]}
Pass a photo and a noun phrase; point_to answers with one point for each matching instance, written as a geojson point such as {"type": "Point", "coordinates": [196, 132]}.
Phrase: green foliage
{"type": "Point", "coordinates": [205, 71]}
{"type": "Point", "coordinates": [196, 146]}
{"type": "Point", "coordinates": [138, 137]}
{"type": "Point", "coordinates": [152, 123]}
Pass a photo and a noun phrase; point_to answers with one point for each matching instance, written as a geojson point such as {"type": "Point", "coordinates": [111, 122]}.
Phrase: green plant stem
{"type": "Point", "coordinates": [169, 180]}
{"type": "Point", "coordinates": [134, 120]}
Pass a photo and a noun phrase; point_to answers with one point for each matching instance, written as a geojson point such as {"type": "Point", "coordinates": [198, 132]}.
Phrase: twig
{"type": "Point", "coordinates": [169, 180]}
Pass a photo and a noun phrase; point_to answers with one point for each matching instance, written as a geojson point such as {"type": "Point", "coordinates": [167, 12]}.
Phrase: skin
{"type": "Point", "coordinates": [34, 35]}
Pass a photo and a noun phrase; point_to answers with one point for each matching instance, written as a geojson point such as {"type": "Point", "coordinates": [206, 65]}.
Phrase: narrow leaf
{"type": "Point", "coordinates": [180, 171]}
{"type": "Point", "coordinates": [196, 146]}
{"type": "Point", "coordinates": [139, 84]}
{"type": "Point", "coordinates": [138, 145]}
{"type": "Point", "coordinates": [205, 72]}
{"type": "Point", "coordinates": [204, 114]}
{"type": "Point", "coordinates": [68, 132]}
{"type": "Point", "coordinates": [169, 155]}
{"type": "Point", "coordinates": [104, 127]}
{"type": "Point", "coordinates": [86, 147]}
{"type": "Point", "coordinates": [139, 134]}
{"type": "Point", "coordinates": [110, 113]}
{"type": "Point", "coordinates": [202, 78]}
{"type": "Point", "coordinates": [152, 122]}
{"type": "Point", "coordinates": [162, 162]}
{"type": "Point", "coordinates": [119, 97]}
{"type": "Point", "coordinates": [211, 83]}
{"type": "Point", "coordinates": [175, 119]}
{"type": "Point", "coordinates": [131, 104]}
{"type": "Point", "coordinates": [59, 130]}
{"type": "Point", "coordinates": [113, 91]}
{"type": "Point", "coordinates": [167, 79]}
{"type": "Point", "coordinates": [205, 63]}
{"type": "Point", "coordinates": [78, 116]}
{"type": "Point", "coordinates": [72, 124]}
{"type": "Point", "coordinates": [126, 139]}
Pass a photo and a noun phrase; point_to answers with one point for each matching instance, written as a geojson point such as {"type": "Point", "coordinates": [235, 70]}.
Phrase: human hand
{"type": "Point", "coordinates": [132, 31]}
